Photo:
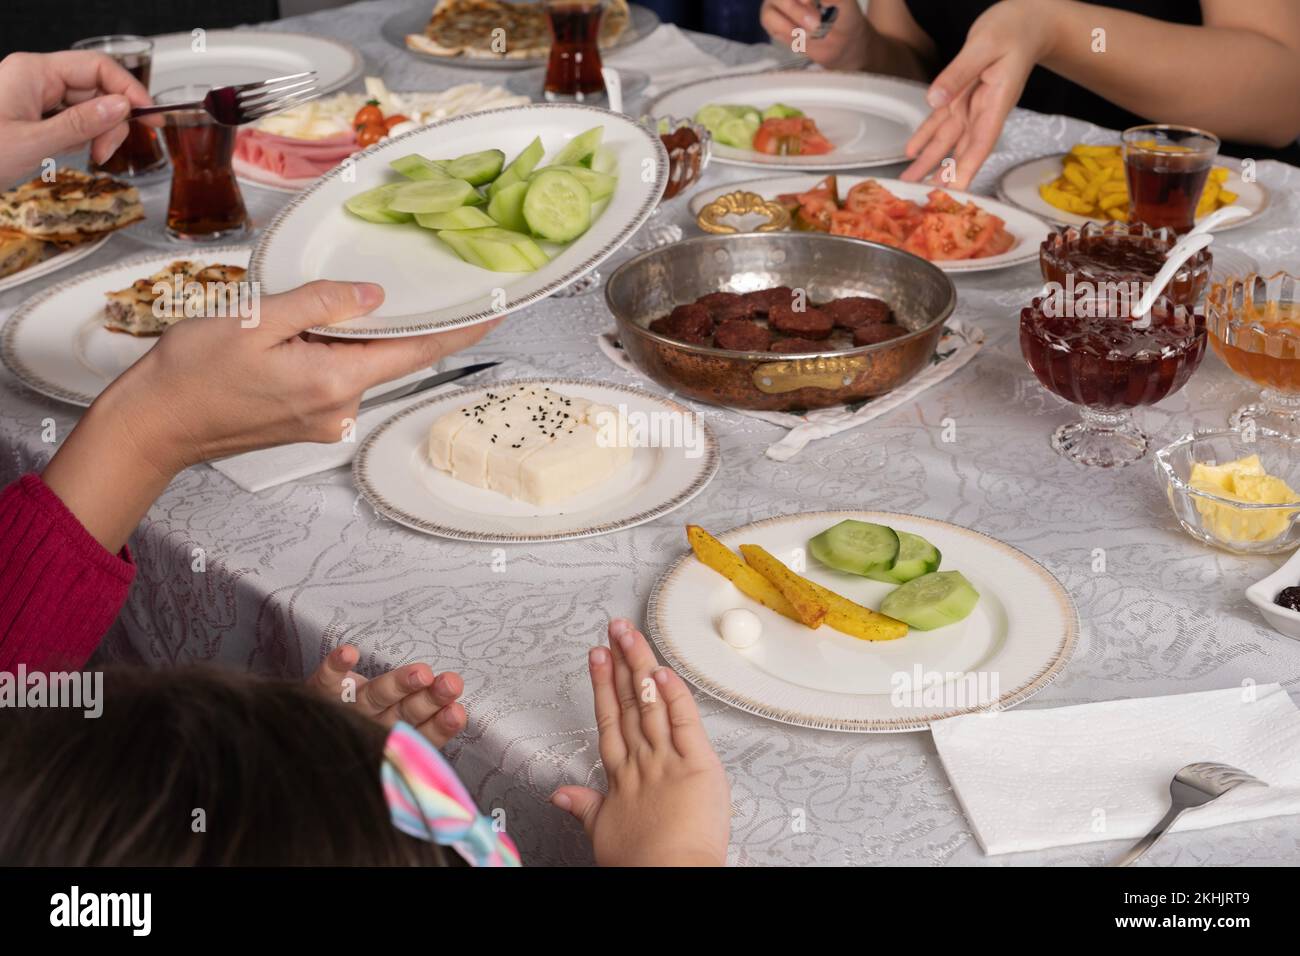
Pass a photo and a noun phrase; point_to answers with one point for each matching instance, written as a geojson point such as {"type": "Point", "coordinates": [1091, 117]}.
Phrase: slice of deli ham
{"type": "Point", "coordinates": [293, 158]}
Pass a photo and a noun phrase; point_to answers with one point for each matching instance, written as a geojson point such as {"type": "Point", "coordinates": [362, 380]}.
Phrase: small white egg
{"type": "Point", "coordinates": [403, 127]}
{"type": "Point", "coordinates": [740, 627]}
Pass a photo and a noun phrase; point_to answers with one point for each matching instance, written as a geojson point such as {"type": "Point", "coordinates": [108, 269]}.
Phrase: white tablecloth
{"type": "Point", "coordinates": [297, 569]}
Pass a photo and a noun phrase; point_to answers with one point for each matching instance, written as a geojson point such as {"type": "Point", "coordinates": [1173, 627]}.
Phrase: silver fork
{"type": "Point", "coordinates": [1194, 786]}
{"type": "Point", "coordinates": [248, 102]}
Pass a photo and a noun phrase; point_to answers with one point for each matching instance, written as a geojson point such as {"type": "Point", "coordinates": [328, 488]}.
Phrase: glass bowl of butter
{"type": "Point", "coordinates": [1235, 488]}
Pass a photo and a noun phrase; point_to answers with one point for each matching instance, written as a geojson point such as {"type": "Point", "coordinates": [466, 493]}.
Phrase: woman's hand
{"type": "Point", "coordinates": [411, 693]}
{"type": "Point", "coordinates": [98, 94]}
{"type": "Point", "coordinates": [669, 803]}
{"type": "Point", "coordinates": [843, 48]}
{"type": "Point", "coordinates": [973, 95]}
{"type": "Point", "coordinates": [212, 387]}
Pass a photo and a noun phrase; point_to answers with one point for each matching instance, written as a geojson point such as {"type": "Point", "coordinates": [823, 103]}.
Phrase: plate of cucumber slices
{"type": "Point", "coordinates": [866, 622]}
{"type": "Point", "coordinates": [469, 219]}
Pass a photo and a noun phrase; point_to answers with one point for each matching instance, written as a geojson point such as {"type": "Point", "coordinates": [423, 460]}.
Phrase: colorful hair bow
{"type": "Point", "coordinates": [428, 801]}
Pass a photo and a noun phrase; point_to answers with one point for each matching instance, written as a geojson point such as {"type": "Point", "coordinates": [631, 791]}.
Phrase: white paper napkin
{"type": "Point", "coordinates": [1030, 779]}
{"type": "Point", "coordinates": [958, 345]}
{"type": "Point", "coordinates": [670, 59]}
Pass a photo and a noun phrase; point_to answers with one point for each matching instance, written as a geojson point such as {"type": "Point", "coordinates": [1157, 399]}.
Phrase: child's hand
{"type": "Point", "coordinates": [411, 693]}
{"type": "Point", "coordinates": [669, 803]}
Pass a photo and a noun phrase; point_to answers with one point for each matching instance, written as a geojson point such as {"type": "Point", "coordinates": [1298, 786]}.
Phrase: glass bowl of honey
{"type": "Point", "coordinates": [1091, 352]}
{"type": "Point", "coordinates": [1095, 256]}
{"type": "Point", "coordinates": [1235, 488]}
{"type": "Point", "coordinates": [1254, 326]}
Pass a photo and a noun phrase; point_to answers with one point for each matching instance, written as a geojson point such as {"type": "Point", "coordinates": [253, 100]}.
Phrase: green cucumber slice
{"type": "Point", "coordinates": [712, 115]}
{"type": "Point", "coordinates": [464, 217]}
{"type": "Point", "coordinates": [858, 547]}
{"type": "Point", "coordinates": [416, 166]}
{"type": "Point", "coordinates": [520, 168]}
{"type": "Point", "coordinates": [499, 250]}
{"type": "Point", "coordinates": [932, 600]}
{"type": "Point", "coordinates": [430, 195]}
{"type": "Point", "coordinates": [372, 205]}
{"type": "Point", "coordinates": [578, 151]}
{"type": "Point", "coordinates": [461, 246]}
{"type": "Point", "coordinates": [781, 111]}
{"type": "Point", "coordinates": [557, 206]}
{"type": "Point", "coordinates": [916, 557]}
{"type": "Point", "coordinates": [603, 160]}
{"type": "Point", "coordinates": [599, 185]}
{"type": "Point", "coordinates": [507, 207]}
{"type": "Point", "coordinates": [519, 240]}
{"type": "Point", "coordinates": [476, 168]}
{"type": "Point", "coordinates": [735, 131]}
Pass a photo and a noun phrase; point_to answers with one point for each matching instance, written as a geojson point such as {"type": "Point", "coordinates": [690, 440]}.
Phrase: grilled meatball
{"type": "Point", "coordinates": [879, 332]}
{"type": "Point", "coordinates": [686, 323]}
{"type": "Point", "coordinates": [809, 324]}
{"type": "Point", "coordinates": [742, 335]}
{"type": "Point", "coordinates": [853, 312]}
{"type": "Point", "coordinates": [763, 300]}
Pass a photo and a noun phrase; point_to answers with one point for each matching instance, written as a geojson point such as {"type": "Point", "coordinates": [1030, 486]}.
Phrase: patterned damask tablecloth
{"type": "Point", "coordinates": [296, 570]}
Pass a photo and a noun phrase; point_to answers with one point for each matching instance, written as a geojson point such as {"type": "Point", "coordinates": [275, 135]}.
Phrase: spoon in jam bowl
{"type": "Point", "coordinates": [1187, 247]}
{"type": "Point", "coordinates": [1218, 218]}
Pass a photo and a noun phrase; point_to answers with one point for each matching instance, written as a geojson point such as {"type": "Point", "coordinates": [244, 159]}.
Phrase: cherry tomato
{"type": "Point", "coordinates": [370, 113]}
{"type": "Point", "coordinates": [370, 133]}
{"type": "Point", "coordinates": [393, 120]}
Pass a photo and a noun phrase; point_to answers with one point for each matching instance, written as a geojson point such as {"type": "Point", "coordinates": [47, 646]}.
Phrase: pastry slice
{"type": "Point", "coordinates": [19, 250]}
{"type": "Point", "coordinates": [181, 290]}
{"type": "Point", "coordinates": [73, 207]}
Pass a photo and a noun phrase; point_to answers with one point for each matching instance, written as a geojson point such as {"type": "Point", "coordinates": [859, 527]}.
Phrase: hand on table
{"type": "Point", "coordinates": [973, 95]}
{"type": "Point", "coordinates": [669, 802]}
{"type": "Point", "coordinates": [98, 93]}
{"type": "Point", "coordinates": [411, 693]}
{"type": "Point", "coordinates": [844, 48]}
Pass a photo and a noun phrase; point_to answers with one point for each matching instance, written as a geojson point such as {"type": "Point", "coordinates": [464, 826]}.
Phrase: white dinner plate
{"type": "Point", "coordinates": [1019, 637]}
{"type": "Point", "coordinates": [1029, 231]}
{"type": "Point", "coordinates": [392, 470]}
{"type": "Point", "coordinates": [52, 264]}
{"type": "Point", "coordinates": [869, 118]}
{"type": "Point", "coordinates": [227, 57]}
{"type": "Point", "coordinates": [429, 288]}
{"type": "Point", "coordinates": [55, 343]}
{"type": "Point", "coordinates": [1019, 186]}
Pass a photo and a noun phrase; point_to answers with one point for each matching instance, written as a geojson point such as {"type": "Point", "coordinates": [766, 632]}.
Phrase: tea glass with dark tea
{"type": "Point", "coordinates": [205, 203]}
{"type": "Point", "coordinates": [1091, 352]}
{"type": "Point", "coordinates": [1166, 168]}
{"type": "Point", "coordinates": [573, 69]}
{"type": "Point", "coordinates": [141, 152]}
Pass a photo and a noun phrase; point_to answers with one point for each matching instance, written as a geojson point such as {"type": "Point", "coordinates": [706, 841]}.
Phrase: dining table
{"type": "Point", "coordinates": [305, 566]}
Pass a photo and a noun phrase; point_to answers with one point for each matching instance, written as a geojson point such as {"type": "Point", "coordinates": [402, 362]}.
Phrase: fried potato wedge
{"type": "Point", "coordinates": [797, 590]}
{"type": "Point", "coordinates": [716, 555]}
{"type": "Point", "coordinates": [857, 621]}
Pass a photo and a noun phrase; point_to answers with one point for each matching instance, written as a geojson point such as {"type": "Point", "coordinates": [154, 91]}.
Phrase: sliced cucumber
{"type": "Point", "coordinates": [507, 207]}
{"type": "Point", "coordinates": [476, 168]}
{"type": "Point", "coordinates": [519, 240]}
{"type": "Point", "coordinates": [372, 205]}
{"type": "Point", "coordinates": [578, 151]}
{"type": "Point", "coordinates": [557, 206]}
{"type": "Point", "coordinates": [932, 600]}
{"type": "Point", "coordinates": [603, 160]}
{"type": "Point", "coordinates": [416, 166]}
{"type": "Point", "coordinates": [736, 131]}
{"type": "Point", "coordinates": [497, 249]}
{"type": "Point", "coordinates": [712, 115]}
{"type": "Point", "coordinates": [858, 547]}
{"type": "Point", "coordinates": [520, 168]}
{"type": "Point", "coordinates": [464, 217]}
{"type": "Point", "coordinates": [461, 246]}
{"type": "Point", "coordinates": [781, 111]}
{"type": "Point", "coordinates": [916, 557]}
{"type": "Point", "coordinates": [599, 185]}
{"type": "Point", "coordinates": [430, 195]}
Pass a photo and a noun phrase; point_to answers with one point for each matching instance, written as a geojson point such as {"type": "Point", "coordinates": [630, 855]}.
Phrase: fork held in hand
{"type": "Point", "coordinates": [248, 102]}
{"type": "Point", "coordinates": [1194, 786]}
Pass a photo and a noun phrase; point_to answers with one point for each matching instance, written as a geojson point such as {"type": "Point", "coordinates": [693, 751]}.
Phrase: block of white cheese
{"type": "Point", "coordinates": [530, 443]}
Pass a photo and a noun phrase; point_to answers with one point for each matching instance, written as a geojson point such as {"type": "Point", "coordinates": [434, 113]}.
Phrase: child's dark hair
{"type": "Point", "coordinates": [275, 775]}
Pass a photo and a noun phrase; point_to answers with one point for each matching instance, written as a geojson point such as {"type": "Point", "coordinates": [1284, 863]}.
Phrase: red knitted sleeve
{"type": "Point", "coordinates": [59, 589]}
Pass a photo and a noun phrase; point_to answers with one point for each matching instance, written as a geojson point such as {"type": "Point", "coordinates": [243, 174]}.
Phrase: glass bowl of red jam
{"type": "Point", "coordinates": [689, 147]}
{"type": "Point", "coordinates": [1254, 325]}
{"type": "Point", "coordinates": [1088, 259]}
{"type": "Point", "coordinates": [1092, 353]}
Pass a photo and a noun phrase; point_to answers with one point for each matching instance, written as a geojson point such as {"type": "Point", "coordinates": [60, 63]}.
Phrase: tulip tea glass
{"type": "Point", "coordinates": [1166, 168]}
{"type": "Point", "coordinates": [141, 152]}
{"type": "Point", "coordinates": [206, 204]}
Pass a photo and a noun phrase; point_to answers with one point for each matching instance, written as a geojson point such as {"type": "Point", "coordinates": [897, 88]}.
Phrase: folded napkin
{"type": "Point", "coordinates": [1030, 779]}
{"type": "Point", "coordinates": [958, 345]}
{"type": "Point", "coordinates": [259, 470]}
{"type": "Point", "coordinates": [293, 158]}
{"type": "Point", "coordinates": [670, 59]}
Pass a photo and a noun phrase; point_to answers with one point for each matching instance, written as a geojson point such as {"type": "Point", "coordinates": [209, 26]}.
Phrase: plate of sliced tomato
{"type": "Point", "coordinates": [957, 231]}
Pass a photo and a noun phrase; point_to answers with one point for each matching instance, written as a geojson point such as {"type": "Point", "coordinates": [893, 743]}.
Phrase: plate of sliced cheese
{"type": "Point", "coordinates": [535, 460]}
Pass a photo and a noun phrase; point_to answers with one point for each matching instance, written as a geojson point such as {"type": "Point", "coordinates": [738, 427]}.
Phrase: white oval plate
{"type": "Point", "coordinates": [868, 117]}
{"type": "Point", "coordinates": [52, 264]}
{"type": "Point", "coordinates": [429, 288]}
{"type": "Point", "coordinates": [1028, 230]}
{"type": "Point", "coordinates": [1019, 637]}
{"type": "Point", "coordinates": [392, 470]}
{"type": "Point", "coordinates": [1019, 186]}
{"type": "Point", "coordinates": [247, 56]}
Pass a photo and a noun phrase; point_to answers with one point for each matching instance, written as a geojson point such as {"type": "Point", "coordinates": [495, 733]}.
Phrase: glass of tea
{"type": "Point", "coordinates": [1254, 324]}
{"type": "Point", "coordinates": [573, 70]}
{"type": "Point", "coordinates": [1166, 168]}
{"type": "Point", "coordinates": [205, 204]}
{"type": "Point", "coordinates": [140, 152]}
{"type": "Point", "coordinates": [1092, 353]}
